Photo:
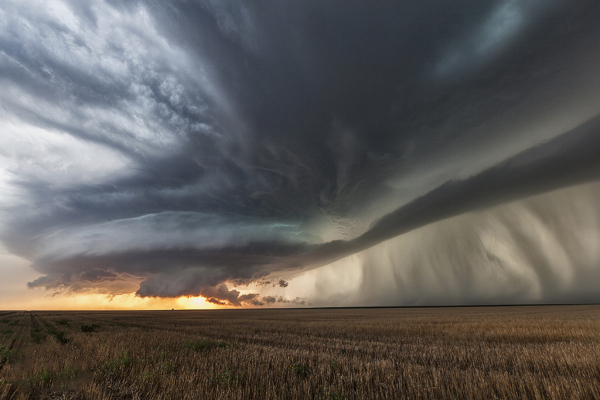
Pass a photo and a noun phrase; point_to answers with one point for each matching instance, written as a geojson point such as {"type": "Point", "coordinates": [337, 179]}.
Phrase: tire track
{"type": "Point", "coordinates": [7, 322]}
{"type": "Point", "coordinates": [6, 314]}
{"type": "Point", "coordinates": [15, 342]}
{"type": "Point", "coordinates": [139, 325]}
{"type": "Point", "coordinates": [44, 328]}
{"type": "Point", "coordinates": [36, 332]}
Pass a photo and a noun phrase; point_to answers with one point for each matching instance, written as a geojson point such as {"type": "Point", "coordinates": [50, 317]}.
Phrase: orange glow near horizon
{"type": "Point", "coordinates": [127, 301]}
{"type": "Point", "coordinates": [15, 295]}
{"type": "Point", "coordinates": [198, 302]}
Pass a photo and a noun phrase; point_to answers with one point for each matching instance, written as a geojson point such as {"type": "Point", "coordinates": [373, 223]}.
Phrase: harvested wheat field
{"type": "Point", "coordinates": [529, 352]}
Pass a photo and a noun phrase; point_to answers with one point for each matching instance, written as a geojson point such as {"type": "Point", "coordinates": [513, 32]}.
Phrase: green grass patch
{"type": "Point", "coordinates": [200, 345]}
{"type": "Point", "coordinates": [68, 373]}
{"type": "Point", "coordinates": [146, 378]}
{"type": "Point", "coordinates": [38, 335]}
{"type": "Point", "coordinates": [89, 328]}
{"type": "Point", "coordinates": [300, 369]}
{"type": "Point", "coordinates": [225, 345]}
{"type": "Point", "coordinates": [120, 363]}
{"type": "Point", "coordinates": [61, 337]}
{"type": "Point", "coordinates": [228, 378]}
{"type": "Point", "coordinates": [44, 378]}
{"type": "Point", "coordinates": [5, 355]}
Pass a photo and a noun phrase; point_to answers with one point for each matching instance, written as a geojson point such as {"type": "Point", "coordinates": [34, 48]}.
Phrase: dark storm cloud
{"type": "Point", "coordinates": [567, 160]}
{"type": "Point", "coordinates": [221, 295]}
{"type": "Point", "coordinates": [184, 144]}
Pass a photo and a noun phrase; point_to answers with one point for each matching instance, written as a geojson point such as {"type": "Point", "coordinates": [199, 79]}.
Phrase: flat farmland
{"type": "Point", "coordinates": [529, 352]}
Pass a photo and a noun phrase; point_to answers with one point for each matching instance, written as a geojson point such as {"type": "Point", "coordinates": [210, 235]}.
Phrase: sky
{"type": "Point", "coordinates": [216, 153]}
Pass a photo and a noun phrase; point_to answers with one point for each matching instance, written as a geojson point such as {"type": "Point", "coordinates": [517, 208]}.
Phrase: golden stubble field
{"type": "Point", "coordinates": [529, 352]}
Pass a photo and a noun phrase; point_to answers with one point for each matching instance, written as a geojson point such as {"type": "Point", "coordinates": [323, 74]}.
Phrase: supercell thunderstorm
{"type": "Point", "coordinates": [312, 153]}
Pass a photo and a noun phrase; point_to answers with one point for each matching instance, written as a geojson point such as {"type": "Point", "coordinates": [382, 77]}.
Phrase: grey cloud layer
{"type": "Point", "coordinates": [201, 255]}
{"type": "Point", "coordinates": [214, 141]}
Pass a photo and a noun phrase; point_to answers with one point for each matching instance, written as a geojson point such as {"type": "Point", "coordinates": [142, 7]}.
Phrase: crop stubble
{"type": "Point", "coordinates": [545, 352]}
